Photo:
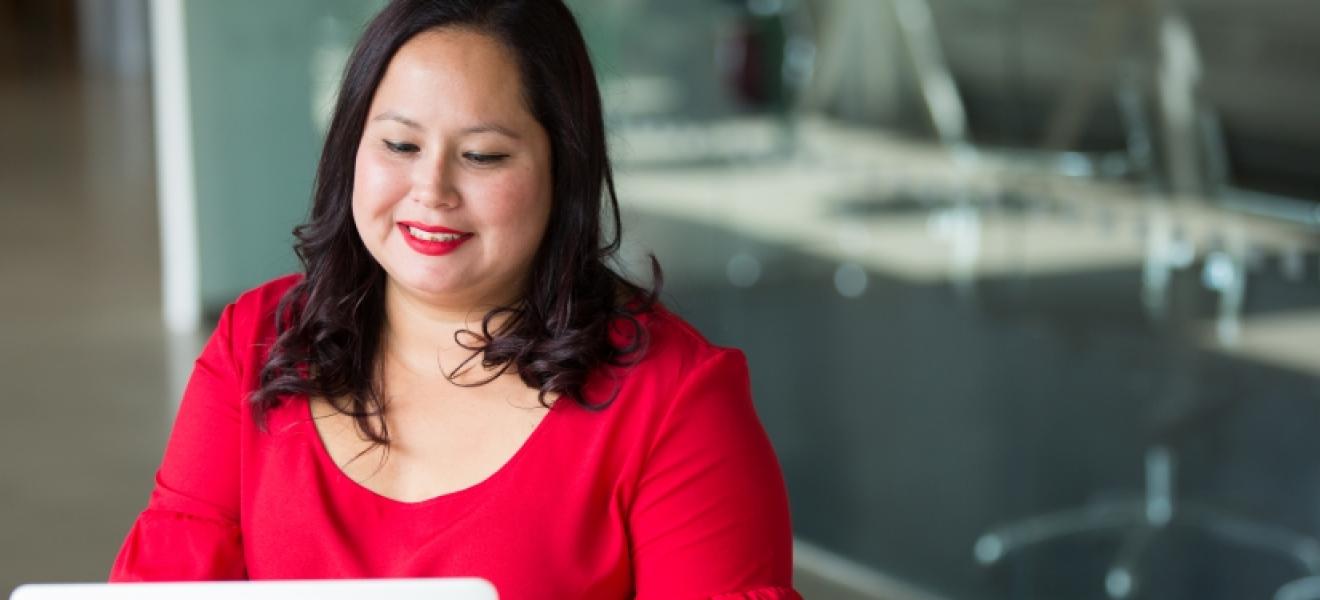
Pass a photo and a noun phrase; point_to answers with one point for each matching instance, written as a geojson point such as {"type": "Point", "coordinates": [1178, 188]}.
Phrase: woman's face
{"type": "Point", "coordinates": [452, 187]}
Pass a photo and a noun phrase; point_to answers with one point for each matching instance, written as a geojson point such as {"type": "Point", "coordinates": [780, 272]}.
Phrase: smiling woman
{"type": "Point", "coordinates": [457, 384]}
{"type": "Point", "coordinates": [467, 175]}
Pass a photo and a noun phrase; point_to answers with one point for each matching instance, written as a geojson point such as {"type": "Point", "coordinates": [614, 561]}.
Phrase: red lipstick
{"type": "Point", "coordinates": [433, 247]}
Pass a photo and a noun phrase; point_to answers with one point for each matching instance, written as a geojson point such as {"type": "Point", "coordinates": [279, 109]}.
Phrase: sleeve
{"type": "Point", "coordinates": [710, 517]}
{"type": "Point", "coordinates": [189, 530]}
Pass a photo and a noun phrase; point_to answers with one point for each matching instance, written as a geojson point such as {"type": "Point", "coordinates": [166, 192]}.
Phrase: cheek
{"type": "Point", "coordinates": [376, 188]}
{"type": "Point", "coordinates": [522, 205]}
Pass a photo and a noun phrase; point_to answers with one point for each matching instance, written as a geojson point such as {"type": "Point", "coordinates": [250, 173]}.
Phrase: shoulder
{"type": "Point", "coordinates": [677, 367]}
{"type": "Point", "coordinates": [254, 309]}
{"type": "Point", "coordinates": [676, 349]}
{"type": "Point", "coordinates": [264, 299]}
{"type": "Point", "coordinates": [247, 325]}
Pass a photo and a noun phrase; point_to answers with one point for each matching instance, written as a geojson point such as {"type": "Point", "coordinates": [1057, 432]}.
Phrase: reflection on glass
{"type": "Point", "coordinates": [1014, 326]}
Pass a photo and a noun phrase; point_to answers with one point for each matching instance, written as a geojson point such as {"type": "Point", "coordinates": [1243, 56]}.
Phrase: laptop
{"type": "Point", "coordinates": [340, 589]}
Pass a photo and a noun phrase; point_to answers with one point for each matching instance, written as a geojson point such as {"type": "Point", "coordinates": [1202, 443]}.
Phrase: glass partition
{"type": "Point", "coordinates": [1030, 288]}
{"type": "Point", "coordinates": [1029, 312]}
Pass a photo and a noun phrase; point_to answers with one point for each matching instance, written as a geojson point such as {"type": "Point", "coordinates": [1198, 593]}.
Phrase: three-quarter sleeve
{"type": "Point", "coordinates": [190, 528]}
{"type": "Point", "coordinates": [710, 517]}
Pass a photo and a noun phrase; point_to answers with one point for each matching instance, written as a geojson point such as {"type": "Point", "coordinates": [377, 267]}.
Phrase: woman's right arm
{"type": "Point", "coordinates": [190, 528]}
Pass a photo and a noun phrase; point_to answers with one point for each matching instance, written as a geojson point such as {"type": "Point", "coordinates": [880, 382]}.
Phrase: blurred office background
{"type": "Point", "coordinates": [1030, 288]}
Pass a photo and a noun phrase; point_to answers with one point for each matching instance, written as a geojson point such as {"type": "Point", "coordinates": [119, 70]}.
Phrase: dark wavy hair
{"type": "Point", "coordinates": [575, 308]}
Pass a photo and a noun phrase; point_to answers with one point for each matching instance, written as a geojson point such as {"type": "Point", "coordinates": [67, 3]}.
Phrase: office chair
{"type": "Point", "coordinates": [1195, 165]}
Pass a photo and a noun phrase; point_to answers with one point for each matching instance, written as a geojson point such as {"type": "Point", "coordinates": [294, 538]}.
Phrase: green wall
{"type": "Point", "coordinates": [257, 71]}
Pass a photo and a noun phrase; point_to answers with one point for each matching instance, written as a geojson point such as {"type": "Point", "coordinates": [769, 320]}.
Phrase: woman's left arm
{"type": "Point", "coordinates": [710, 516]}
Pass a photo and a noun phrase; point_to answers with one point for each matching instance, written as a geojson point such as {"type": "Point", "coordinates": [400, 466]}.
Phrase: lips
{"type": "Point", "coordinates": [432, 240]}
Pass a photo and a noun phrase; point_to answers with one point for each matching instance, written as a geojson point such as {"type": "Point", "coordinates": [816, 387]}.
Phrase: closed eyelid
{"type": "Point", "coordinates": [402, 147]}
{"type": "Point", "coordinates": [482, 159]}
{"type": "Point", "coordinates": [485, 158]}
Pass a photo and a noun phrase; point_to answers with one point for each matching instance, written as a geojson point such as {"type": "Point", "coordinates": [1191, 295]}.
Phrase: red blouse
{"type": "Point", "coordinates": [671, 492]}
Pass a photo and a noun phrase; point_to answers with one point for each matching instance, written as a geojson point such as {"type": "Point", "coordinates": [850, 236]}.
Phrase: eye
{"type": "Point", "coordinates": [401, 147]}
{"type": "Point", "coordinates": [484, 159]}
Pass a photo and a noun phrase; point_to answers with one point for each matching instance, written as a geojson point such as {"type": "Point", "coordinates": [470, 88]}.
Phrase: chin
{"type": "Point", "coordinates": [428, 285]}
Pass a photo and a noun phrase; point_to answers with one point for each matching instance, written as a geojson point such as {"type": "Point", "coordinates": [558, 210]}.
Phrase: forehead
{"type": "Point", "coordinates": [452, 72]}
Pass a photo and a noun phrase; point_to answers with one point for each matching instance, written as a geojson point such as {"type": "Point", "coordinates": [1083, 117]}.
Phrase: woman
{"type": "Point", "coordinates": [458, 385]}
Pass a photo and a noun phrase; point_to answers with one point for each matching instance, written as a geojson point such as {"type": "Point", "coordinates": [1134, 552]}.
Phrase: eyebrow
{"type": "Point", "coordinates": [390, 115]}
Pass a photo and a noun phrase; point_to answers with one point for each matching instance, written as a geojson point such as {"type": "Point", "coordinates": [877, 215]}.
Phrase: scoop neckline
{"type": "Point", "coordinates": [328, 462]}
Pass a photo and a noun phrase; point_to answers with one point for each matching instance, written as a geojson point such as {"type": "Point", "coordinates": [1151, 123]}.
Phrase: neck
{"type": "Point", "coordinates": [424, 338]}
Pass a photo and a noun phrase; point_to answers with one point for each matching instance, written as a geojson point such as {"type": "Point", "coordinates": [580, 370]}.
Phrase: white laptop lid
{"type": "Point", "coordinates": [340, 589]}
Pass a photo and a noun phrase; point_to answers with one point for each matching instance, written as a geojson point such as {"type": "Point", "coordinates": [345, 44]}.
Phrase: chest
{"type": "Point", "coordinates": [443, 438]}
{"type": "Point", "coordinates": [419, 513]}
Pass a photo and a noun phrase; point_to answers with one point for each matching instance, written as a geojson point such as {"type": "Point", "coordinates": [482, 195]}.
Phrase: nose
{"type": "Point", "coordinates": [433, 185]}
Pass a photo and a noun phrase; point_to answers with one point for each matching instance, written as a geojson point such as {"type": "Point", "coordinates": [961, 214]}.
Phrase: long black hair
{"type": "Point", "coordinates": [330, 324]}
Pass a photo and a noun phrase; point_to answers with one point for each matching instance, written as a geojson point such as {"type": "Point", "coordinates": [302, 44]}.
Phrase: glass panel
{"type": "Point", "coordinates": [1030, 311]}
{"type": "Point", "coordinates": [1030, 288]}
